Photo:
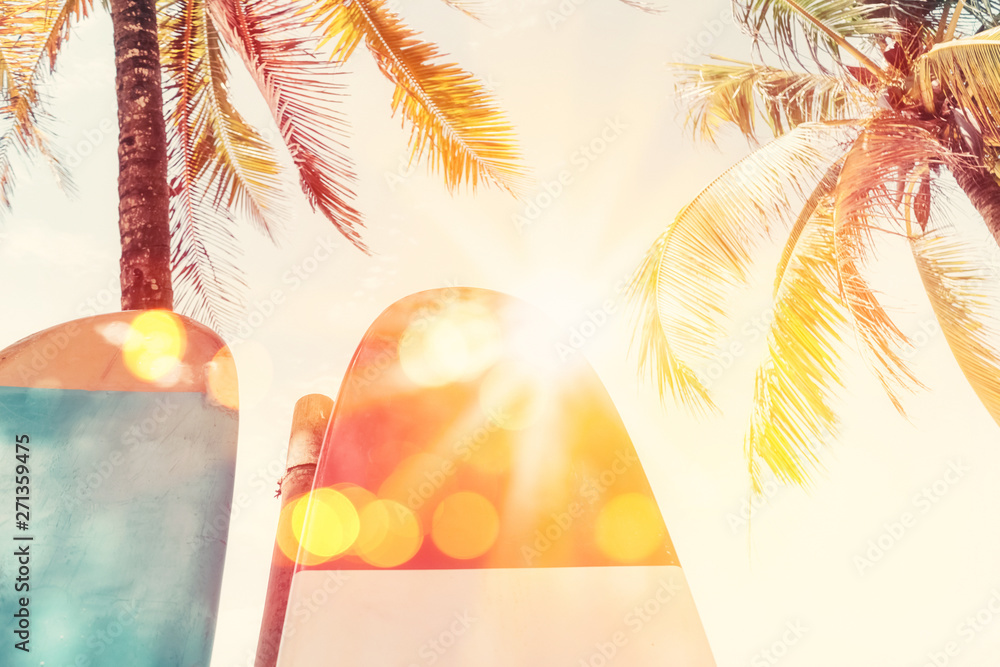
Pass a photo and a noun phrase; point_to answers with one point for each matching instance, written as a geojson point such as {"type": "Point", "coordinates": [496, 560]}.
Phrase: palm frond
{"type": "Point", "coordinates": [727, 92]}
{"type": "Point", "coordinates": [211, 145]}
{"type": "Point", "coordinates": [7, 140]}
{"type": "Point", "coordinates": [671, 374]}
{"type": "Point", "coordinates": [647, 7]}
{"type": "Point", "coordinates": [204, 262]}
{"type": "Point", "coordinates": [792, 413]}
{"type": "Point", "coordinates": [779, 24]}
{"type": "Point", "coordinates": [30, 31]}
{"type": "Point", "coordinates": [986, 13]}
{"type": "Point", "coordinates": [71, 10]}
{"type": "Point", "coordinates": [823, 190]}
{"type": "Point", "coordinates": [681, 290]}
{"type": "Point", "coordinates": [302, 92]}
{"type": "Point", "coordinates": [218, 164]}
{"type": "Point", "coordinates": [453, 118]}
{"type": "Point", "coordinates": [975, 16]}
{"type": "Point", "coordinates": [476, 9]}
{"type": "Point", "coordinates": [869, 196]}
{"type": "Point", "coordinates": [966, 71]}
{"type": "Point", "coordinates": [963, 300]}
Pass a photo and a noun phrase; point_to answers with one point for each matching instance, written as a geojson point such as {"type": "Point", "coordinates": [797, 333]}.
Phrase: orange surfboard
{"type": "Point", "coordinates": [119, 433]}
{"type": "Point", "coordinates": [478, 501]}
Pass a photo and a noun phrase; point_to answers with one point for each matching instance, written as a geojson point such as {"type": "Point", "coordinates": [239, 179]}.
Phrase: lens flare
{"type": "Point", "coordinates": [465, 525]}
{"type": "Point", "coordinates": [360, 497]}
{"type": "Point", "coordinates": [417, 480]}
{"type": "Point", "coordinates": [223, 386]}
{"type": "Point", "coordinates": [285, 538]}
{"type": "Point", "coordinates": [629, 528]}
{"type": "Point", "coordinates": [154, 345]}
{"type": "Point", "coordinates": [514, 394]}
{"type": "Point", "coordinates": [329, 527]}
{"type": "Point", "coordinates": [456, 345]}
{"type": "Point", "coordinates": [390, 534]}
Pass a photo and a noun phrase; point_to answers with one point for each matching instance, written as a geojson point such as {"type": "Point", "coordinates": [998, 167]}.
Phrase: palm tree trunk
{"type": "Point", "coordinates": [144, 198]}
{"type": "Point", "coordinates": [981, 189]}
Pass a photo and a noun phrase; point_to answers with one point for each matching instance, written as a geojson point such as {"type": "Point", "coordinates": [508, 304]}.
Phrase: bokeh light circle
{"type": "Point", "coordinates": [465, 525]}
{"type": "Point", "coordinates": [223, 386]}
{"type": "Point", "coordinates": [327, 524]}
{"type": "Point", "coordinates": [154, 345]}
{"type": "Point", "coordinates": [455, 345]}
{"type": "Point", "coordinates": [390, 534]}
{"type": "Point", "coordinates": [629, 528]}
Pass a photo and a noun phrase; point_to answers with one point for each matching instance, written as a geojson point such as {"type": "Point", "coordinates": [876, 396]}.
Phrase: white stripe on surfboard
{"type": "Point", "coordinates": [496, 617]}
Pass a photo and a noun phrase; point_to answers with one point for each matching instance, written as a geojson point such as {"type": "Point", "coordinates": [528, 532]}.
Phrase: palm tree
{"type": "Point", "coordinates": [190, 165]}
{"type": "Point", "coordinates": [888, 110]}
{"type": "Point", "coordinates": [143, 197]}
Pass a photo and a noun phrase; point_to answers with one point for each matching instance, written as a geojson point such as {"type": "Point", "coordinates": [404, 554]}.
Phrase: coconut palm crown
{"type": "Point", "coordinates": [873, 116]}
{"type": "Point", "coordinates": [220, 167]}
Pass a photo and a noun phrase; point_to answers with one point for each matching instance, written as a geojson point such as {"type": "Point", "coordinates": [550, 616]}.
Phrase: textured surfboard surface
{"type": "Point", "coordinates": [478, 501]}
{"type": "Point", "coordinates": [119, 432]}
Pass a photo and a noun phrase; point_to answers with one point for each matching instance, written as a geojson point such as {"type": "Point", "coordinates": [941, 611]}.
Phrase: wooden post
{"type": "Point", "coordinates": [309, 420]}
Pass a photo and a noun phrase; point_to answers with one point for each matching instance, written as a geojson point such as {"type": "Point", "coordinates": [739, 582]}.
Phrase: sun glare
{"type": "Point", "coordinates": [456, 345]}
{"type": "Point", "coordinates": [154, 345]}
{"type": "Point", "coordinates": [515, 394]}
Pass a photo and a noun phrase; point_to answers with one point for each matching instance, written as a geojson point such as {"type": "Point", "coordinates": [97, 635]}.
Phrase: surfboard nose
{"type": "Point", "coordinates": [479, 501]}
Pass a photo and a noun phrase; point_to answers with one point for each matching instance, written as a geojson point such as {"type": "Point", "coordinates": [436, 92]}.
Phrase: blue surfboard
{"type": "Point", "coordinates": [118, 434]}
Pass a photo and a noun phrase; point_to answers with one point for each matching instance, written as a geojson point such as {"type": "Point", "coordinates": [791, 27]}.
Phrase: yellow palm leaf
{"type": "Point", "coordinates": [731, 92]}
{"type": "Point", "coordinates": [968, 71]}
{"type": "Point", "coordinates": [29, 31]}
{"type": "Point", "coordinates": [963, 300]}
{"type": "Point", "coordinates": [70, 11]}
{"type": "Point", "coordinates": [823, 190]}
{"type": "Point", "coordinates": [687, 276]}
{"type": "Point", "coordinates": [453, 119]}
{"type": "Point", "coordinates": [792, 414]}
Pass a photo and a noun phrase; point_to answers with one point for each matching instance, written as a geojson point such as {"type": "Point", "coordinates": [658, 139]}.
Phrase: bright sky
{"type": "Point", "coordinates": [599, 71]}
